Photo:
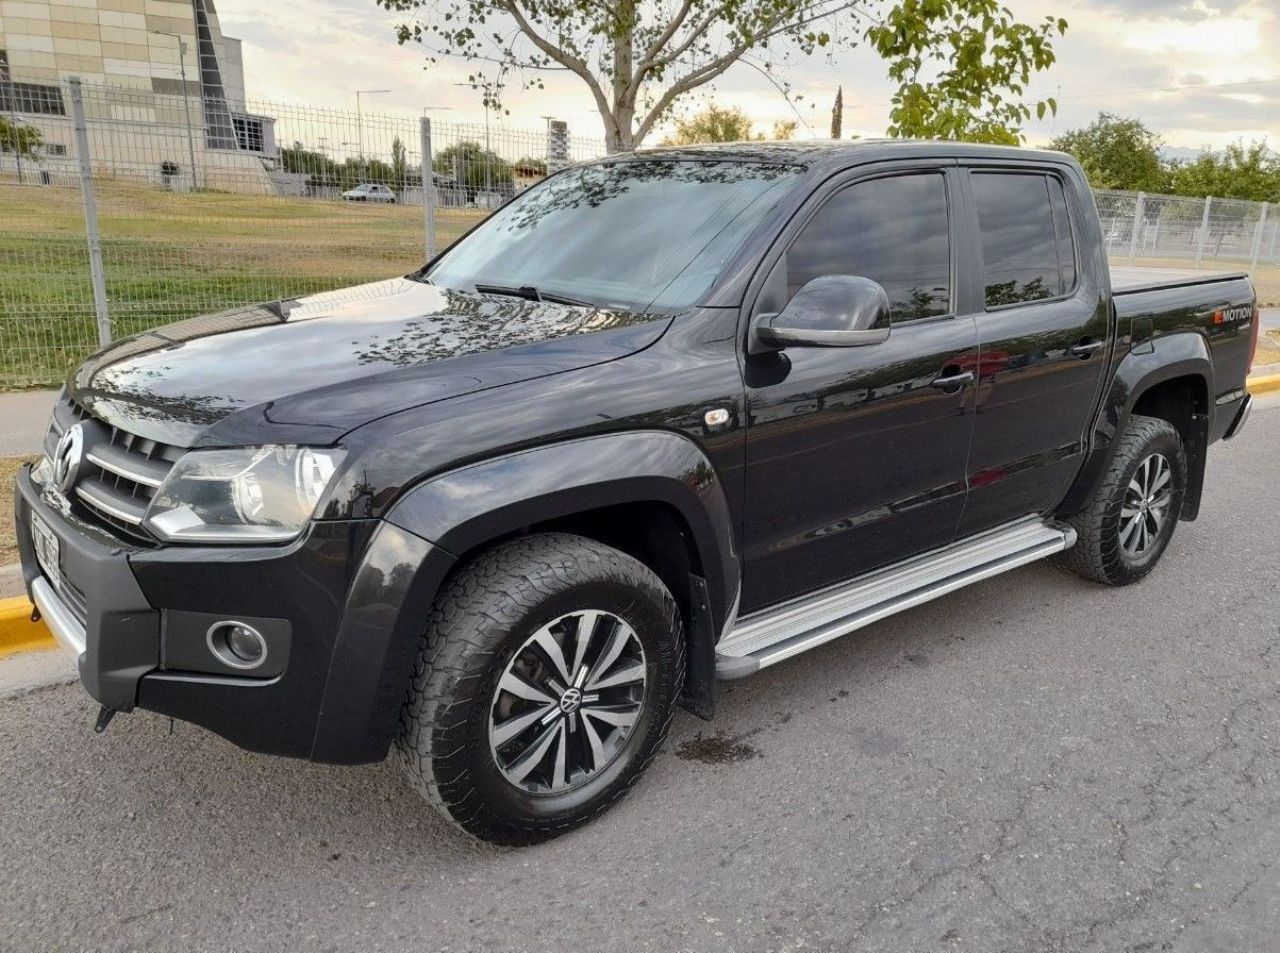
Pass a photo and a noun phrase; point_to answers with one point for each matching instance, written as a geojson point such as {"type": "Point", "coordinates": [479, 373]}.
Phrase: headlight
{"type": "Point", "coordinates": [246, 495]}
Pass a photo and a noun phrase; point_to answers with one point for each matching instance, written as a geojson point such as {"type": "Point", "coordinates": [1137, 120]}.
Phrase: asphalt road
{"type": "Point", "coordinates": [1032, 764]}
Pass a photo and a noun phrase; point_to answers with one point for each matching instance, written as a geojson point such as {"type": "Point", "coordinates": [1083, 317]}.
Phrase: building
{"type": "Point", "coordinates": [130, 56]}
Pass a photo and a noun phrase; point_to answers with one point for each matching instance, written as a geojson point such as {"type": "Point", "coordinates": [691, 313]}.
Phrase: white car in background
{"type": "Point", "coordinates": [367, 192]}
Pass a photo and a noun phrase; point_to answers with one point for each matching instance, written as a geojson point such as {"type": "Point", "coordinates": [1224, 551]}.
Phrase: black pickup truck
{"type": "Point", "coordinates": [663, 419]}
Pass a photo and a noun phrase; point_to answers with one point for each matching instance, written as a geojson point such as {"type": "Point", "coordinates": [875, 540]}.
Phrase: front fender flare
{"type": "Point", "coordinates": [463, 509]}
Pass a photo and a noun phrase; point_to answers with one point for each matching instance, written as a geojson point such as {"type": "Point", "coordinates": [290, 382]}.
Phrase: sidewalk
{"type": "Point", "coordinates": [24, 418]}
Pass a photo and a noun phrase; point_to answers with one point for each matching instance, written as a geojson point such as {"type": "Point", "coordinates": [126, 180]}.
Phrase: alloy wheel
{"type": "Point", "coordinates": [567, 702]}
{"type": "Point", "coordinates": [1145, 509]}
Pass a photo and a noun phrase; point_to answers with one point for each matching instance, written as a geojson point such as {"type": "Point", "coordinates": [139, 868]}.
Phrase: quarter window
{"type": "Point", "coordinates": [1027, 250]}
{"type": "Point", "coordinates": [893, 231]}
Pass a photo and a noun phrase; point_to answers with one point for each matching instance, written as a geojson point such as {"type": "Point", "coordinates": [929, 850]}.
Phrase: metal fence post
{"type": "Point", "coordinates": [1137, 224]}
{"type": "Point", "coordinates": [96, 273]}
{"type": "Point", "coordinates": [1258, 232]}
{"type": "Point", "coordinates": [1204, 230]}
{"type": "Point", "coordinates": [428, 191]}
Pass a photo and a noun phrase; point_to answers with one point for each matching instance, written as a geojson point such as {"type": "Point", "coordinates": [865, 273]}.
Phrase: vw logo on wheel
{"type": "Point", "coordinates": [67, 457]}
{"type": "Point", "coordinates": [570, 701]}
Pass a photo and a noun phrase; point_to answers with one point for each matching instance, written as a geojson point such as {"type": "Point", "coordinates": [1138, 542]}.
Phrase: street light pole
{"type": "Point", "coordinates": [360, 125]}
{"type": "Point", "coordinates": [186, 102]}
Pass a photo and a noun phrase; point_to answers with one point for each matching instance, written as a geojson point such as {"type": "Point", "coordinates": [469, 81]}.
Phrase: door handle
{"type": "Point", "coordinates": [1084, 350]}
{"type": "Point", "coordinates": [952, 382]}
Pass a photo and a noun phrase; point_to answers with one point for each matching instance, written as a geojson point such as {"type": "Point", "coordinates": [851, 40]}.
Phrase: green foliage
{"type": "Point", "coordinates": [711, 124]}
{"type": "Point", "coordinates": [475, 168]}
{"type": "Point", "coordinates": [530, 167]}
{"type": "Point", "coordinates": [15, 137]}
{"type": "Point", "coordinates": [723, 124]}
{"type": "Point", "coordinates": [962, 68]}
{"type": "Point", "coordinates": [399, 166]}
{"type": "Point", "coordinates": [323, 172]}
{"type": "Point", "coordinates": [837, 114]}
{"type": "Point", "coordinates": [1240, 172]}
{"type": "Point", "coordinates": [1117, 153]}
{"type": "Point", "coordinates": [637, 59]}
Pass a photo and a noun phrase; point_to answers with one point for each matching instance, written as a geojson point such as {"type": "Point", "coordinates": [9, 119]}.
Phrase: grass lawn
{"type": "Point", "coordinates": [8, 543]}
{"type": "Point", "coordinates": [169, 256]}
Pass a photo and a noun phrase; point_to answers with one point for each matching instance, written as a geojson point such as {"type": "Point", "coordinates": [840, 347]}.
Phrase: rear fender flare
{"type": "Point", "coordinates": [1145, 365]}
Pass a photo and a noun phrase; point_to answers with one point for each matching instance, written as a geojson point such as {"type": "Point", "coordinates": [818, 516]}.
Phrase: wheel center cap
{"type": "Point", "coordinates": [570, 701]}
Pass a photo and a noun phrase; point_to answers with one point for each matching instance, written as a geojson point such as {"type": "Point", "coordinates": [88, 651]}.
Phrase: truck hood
{"type": "Point", "coordinates": [311, 369]}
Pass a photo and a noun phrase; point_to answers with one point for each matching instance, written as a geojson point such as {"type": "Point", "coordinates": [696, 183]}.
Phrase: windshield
{"type": "Point", "coordinates": [632, 235]}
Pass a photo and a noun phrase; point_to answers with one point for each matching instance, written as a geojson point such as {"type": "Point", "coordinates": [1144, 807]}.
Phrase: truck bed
{"type": "Point", "coordinates": [1128, 279]}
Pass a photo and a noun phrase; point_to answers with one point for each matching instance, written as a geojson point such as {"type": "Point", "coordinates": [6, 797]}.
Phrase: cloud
{"type": "Point", "coordinates": [1122, 56]}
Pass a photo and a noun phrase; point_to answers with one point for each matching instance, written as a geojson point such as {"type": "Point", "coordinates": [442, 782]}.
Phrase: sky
{"type": "Point", "coordinates": [1202, 73]}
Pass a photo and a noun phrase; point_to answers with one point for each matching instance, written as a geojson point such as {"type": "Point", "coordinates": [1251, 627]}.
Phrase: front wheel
{"type": "Point", "coordinates": [1129, 520]}
{"type": "Point", "coordinates": [545, 686]}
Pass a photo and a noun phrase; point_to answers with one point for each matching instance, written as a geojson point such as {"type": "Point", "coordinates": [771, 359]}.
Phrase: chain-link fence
{"type": "Point", "coordinates": [203, 205]}
{"type": "Point", "coordinates": [1144, 227]}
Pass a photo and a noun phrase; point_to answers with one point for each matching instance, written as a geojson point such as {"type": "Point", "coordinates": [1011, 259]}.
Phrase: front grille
{"type": "Point", "coordinates": [120, 472]}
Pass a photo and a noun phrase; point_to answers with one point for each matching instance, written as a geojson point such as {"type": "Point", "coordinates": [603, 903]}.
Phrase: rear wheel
{"type": "Point", "coordinates": [1130, 519]}
{"type": "Point", "coordinates": [545, 686]}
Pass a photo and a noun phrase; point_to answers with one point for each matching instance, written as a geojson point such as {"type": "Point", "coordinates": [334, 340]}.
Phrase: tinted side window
{"type": "Point", "coordinates": [1019, 243]}
{"type": "Point", "coordinates": [893, 231]}
{"type": "Point", "coordinates": [1062, 228]}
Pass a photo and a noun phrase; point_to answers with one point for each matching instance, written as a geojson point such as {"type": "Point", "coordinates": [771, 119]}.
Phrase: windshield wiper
{"type": "Point", "coordinates": [530, 293]}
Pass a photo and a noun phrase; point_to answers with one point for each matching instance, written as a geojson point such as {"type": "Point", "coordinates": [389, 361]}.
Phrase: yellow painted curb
{"type": "Point", "coordinates": [1264, 385]}
{"type": "Point", "coordinates": [17, 632]}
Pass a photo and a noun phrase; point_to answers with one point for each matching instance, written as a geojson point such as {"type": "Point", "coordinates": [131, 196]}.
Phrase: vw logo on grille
{"type": "Point", "coordinates": [67, 457]}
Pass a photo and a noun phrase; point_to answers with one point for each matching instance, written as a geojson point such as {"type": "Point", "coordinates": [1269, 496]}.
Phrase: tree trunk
{"type": "Point", "coordinates": [621, 121]}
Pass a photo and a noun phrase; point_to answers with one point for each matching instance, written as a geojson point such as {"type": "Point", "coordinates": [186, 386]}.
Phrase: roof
{"type": "Point", "coordinates": [838, 152]}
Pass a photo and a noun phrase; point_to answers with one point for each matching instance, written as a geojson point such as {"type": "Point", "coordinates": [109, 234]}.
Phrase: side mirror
{"type": "Point", "coordinates": [832, 311]}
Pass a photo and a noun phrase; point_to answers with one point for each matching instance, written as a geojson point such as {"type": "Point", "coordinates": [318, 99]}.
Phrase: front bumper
{"type": "Point", "coordinates": [346, 603]}
{"type": "Point", "coordinates": [117, 642]}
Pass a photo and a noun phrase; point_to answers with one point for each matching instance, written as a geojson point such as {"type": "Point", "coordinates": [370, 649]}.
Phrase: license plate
{"type": "Point", "coordinates": [47, 550]}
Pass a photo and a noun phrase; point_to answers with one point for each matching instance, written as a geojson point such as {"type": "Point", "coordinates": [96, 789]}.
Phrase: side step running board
{"type": "Point", "coordinates": [767, 637]}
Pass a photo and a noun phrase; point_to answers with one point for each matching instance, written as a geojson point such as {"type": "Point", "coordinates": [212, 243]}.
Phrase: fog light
{"type": "Point", "coordinates": [237, 644]}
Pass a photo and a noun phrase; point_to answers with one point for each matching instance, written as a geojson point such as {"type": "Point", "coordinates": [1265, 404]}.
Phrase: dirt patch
{"type": "Point", "coordinates": [9, 467]}
{"type": "Point", "coordinates": [718, 749]}
{"type": "Point", "coordinates": [1268, 349]}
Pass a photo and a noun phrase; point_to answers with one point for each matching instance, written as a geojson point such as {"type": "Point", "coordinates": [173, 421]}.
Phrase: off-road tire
{"type": "Point", "coordinates": [480, 619]}
{"type": "Point", "coordinates": [1098, 553]}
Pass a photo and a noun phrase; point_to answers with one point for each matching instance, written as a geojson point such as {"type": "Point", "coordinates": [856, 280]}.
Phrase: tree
{"type": "Point", "coordinates": [530, 167]}
{"type": "Point", "coordinates": [783, 129]}
{"type": "Point", "coordinates": [723, 124]}
{"type": "Point", "coordinates": [636, 58]}
{"type": "Point", "coordinates": [1239, 172]}
{"type": "Point", "coordinates": [712, 124]}
{"type": "Point", "coordinates": [962, 68]}
{"type": "Point", "coordinates": [1117, 153]}
{"type": "Point", "coordinates": [837, 113]}
{"type": "Point", "coordinates": [399, 167]}
{"type": "Point", "coordinates": [24, 140]}
{"type": "Point", "coordinates": [474, 168]}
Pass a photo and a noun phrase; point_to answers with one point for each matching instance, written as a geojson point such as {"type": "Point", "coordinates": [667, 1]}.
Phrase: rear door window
{"type": "Point", "coordinates": [894, 231]}
{"type": "Point", "coordinates": [1027, 250]}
